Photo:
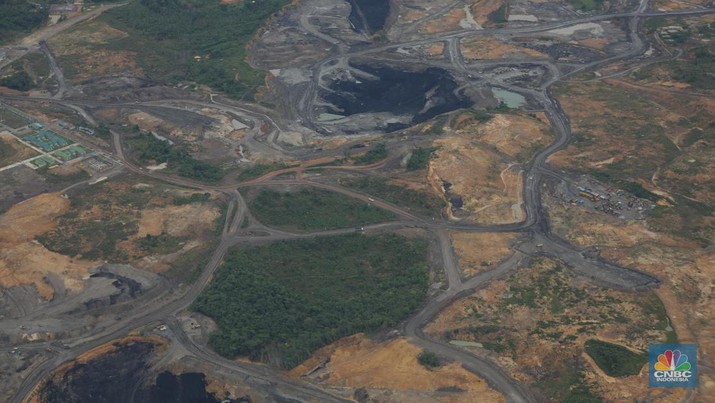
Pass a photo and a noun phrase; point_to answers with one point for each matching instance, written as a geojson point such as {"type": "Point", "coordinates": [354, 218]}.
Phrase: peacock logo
{"type": "Point", "coordinates": [672, 366]}
{"type": "Point", "coordinates": [672, 360]}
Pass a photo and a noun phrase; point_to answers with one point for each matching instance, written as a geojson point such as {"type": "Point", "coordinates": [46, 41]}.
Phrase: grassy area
{"type": "Point", "coordinates": [38, 64]}
{"type": "Point", "coordinates": [11, 119]}
{"type": "Point", "coordinates": [7, 151]}
{"type": "Point", "coordinates": [313, 209]}
{"type": "Point", "coordinates": [424, 203]}
{"type": "Point", "coordinates": [17, 78]}
{"type": "Point", "coordinates": [109, 231]}
{"type": "Point", "coordinates": [161, 244]}
{"type": "Point", "coordinates": [279, 303]}
{"type": "Point", "coordinates": [188, 267]}
{"type": "Point", "coordinates": [189, 40]}
{"type": "Point", "coordinates": [548, 292]}
{"type": "Point", "coordinates": [94, 238]}
{"type": "Point", "coordinates": [377, 153]}
{"type": "Point", "coordinates": [63, 179]}
{"type": "Point", "coordinates": [501, 14]}
{"type": "Point", "coordinates": [697, 71]}
{"type": "Point", "coordinates": [437, 127]}
{"type": "Point", "coordinates": [655, 308]}
{"type": "Point", "coordinates": [624, 129]}
{"type": "Point", "coordinates": [259, 170]}
{"type": "Point", "coordinates": [190, 199]}
{"type": "Point", "coordinates": [149, 149]}
{"type": "Point", "coordinates": [615, 360]}
{"type": "Point", "coordinates": [586, 5]}
{"type": "Point", "coordinates": [634, 188]}
{"type": "Point", "coordinates": [568, 385]}
{"type": "Point", "coordinates": [420, 158]}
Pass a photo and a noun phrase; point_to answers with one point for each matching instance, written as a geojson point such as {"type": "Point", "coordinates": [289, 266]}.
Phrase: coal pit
{"type": "Point", "coordinates": [419, 95]}
{"type": "Point", "coordinates": [369, 15]}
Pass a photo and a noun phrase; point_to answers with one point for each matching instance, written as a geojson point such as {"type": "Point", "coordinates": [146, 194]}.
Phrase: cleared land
{"type": "Point", "coordinates": [659, 138]}
{"type": "Point", "coordinates": [279, 303]}
{"type": "Point", "coordinates": [543, 311]}
{"type": "Point", "coordinates": [390, 370]}
{"type": "Point", "coordinates": [313, 209]}
{"type": "Point", "coordinates": [479, 252]}
{"type": "Point", "coordinates": [24, 262]}
{"type": "Point", "coordinates": [480, 161]}
{"type": "Point", "coordinates": [487, 188]}
{"type": "Point", "coordinates": [146, 224]}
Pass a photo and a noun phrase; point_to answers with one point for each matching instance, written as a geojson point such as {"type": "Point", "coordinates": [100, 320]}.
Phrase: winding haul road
{"type": "Point", "coordinates": [536, 224]}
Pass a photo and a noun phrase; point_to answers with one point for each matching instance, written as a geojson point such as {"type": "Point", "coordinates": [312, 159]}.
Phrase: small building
{"type": "Point", "coordinates": [86, 130]}
{"type": "Point", "coordinates": [58, 9]}
{"type": "Point", "coordinates": [36, 126]}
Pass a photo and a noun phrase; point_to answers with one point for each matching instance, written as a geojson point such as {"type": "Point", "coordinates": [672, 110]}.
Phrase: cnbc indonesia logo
{"type": "Point", "coordinates": [672, 365]}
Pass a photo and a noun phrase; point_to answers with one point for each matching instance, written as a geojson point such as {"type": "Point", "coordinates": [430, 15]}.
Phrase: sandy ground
{"type": "Point", "coordinates": [514, 135]}
{"type": "Point", "coordinates": [479, 252]}
{"type": "Point", "coordinates": [489, 187]}
{"type": "Point", "coordinates": [358, 362]}
{"type": "Point", "coordinates": [489, 48]}
{"type": "Point", "coordinates": [177, 220]}
{"type": "Point", "coordinates": [24, 261]}
{"type": "Point", "coordinates": [446, 23]}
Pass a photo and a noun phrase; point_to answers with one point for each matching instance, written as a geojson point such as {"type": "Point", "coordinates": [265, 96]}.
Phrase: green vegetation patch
{"type": "Point", "coordinates": [19, 17]}
{"type": "Point", "coordinates": [586, 5]}
{"type": "Point", "coordinates": [7, 151]}
{"type": "Point", "coordinates": [11, 119]}
{"type": "Point", "coordinates": [195, 40]}
{"type": "Point", "coordinates": [116, 209]}
{"type": "Point", "coordinates": [429, 360]}
{"type": "Point", "coordinates": [698, 71]}
{"type": "Point", "coordinates": [259, 170]}
{"type": "Point", "coordinates": [501, 14]}
{"type": "Point", "coordinates": [314, 209]}
{"type": "Point", "coordinates": [279, 303]}
{"type": "Point", "coordinates": [568, 385]}
{"type": "Point", "coordinates": [420, 158]}
{"type": "Point", "coordinates": [17, 79]}
{"type": "Point", "coordinates": [161, 244]}
{"type": "Point", "coordinates": [149, 149]}
{"type": "Point", "coordinates": [420, 202]}
{"type": "Point", "coordinates": [437, 127]}
{"type": "Point", "coordinates": [615, 360]}
{"type": "Point", "coordinates": [377, 153]}
{"type": "Point", "coordinates": [63, 179]}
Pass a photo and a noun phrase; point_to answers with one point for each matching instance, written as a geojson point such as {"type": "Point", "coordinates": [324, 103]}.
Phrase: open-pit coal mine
{"type": "Point", "coordinates": [369, 16]}
{"type": "Point", "coordinates": [123, 375]}
{"type": "Point", "coordinates": [411, 97]}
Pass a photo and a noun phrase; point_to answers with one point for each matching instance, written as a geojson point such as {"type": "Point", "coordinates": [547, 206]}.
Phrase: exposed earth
{"type": "Point", "coordinates": [546, 165]}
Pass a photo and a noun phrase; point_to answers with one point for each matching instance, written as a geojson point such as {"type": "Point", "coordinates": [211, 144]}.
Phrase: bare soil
{"type": "Point", "coordinates": [478, 252]}
{"type": "Point", "coordinates": [24, 261]}
{"type": "Point", "coordinates": [565, 312]}
{"type": "Point", "coordinates": [358, 362]}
